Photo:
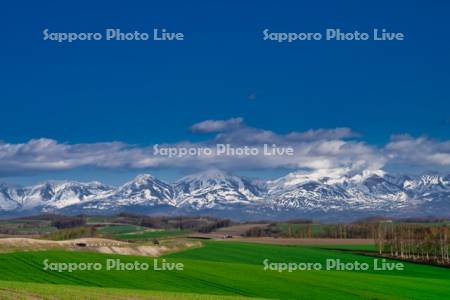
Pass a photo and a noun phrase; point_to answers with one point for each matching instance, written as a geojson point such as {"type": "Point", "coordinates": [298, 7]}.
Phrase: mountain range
{"type": "Point", "coordinates": [296, 195]}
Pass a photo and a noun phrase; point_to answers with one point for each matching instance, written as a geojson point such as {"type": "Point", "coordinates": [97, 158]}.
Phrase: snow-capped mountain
{"type": "Point", "coordinates": [366, 191]}
{"type": "Point", "coordinates": [146, 187]}
{"type": "Point", "coordinates": [427, 183]}
{"type": "Point", "coordinates": [8, 197]}
{"type": "Point", "coordinates": [215, 189]}
{"type": "Point", "coordinates": [56, 194]}
{"type": "Point", "coordinates": [144, 190]}
{"type": "Point", "coordinates": [296, 194]}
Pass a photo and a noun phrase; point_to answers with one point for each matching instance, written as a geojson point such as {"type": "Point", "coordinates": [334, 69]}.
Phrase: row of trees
{"type": "Point", "coordinates": [421, 242]}
{"type": "Point", "coordinates": [193, 223]}
{"type": "Point", "coordinates": [347, 231]}
{"type": "Point", "coordinates": [214, 225]}
{"type": "Point", "coordinates": [310, 230]}
{"type": "Point", "coordinates": [71, 233]}
{"type": "Point", "coordinates": [63, 222]}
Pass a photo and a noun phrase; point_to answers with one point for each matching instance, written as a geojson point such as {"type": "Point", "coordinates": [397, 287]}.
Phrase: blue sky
{"type": "Point", "coordinates": [141, 92]}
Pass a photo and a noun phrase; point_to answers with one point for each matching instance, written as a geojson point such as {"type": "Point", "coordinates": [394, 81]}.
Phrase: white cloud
{"type": "Point", "coordinates": [314, 134]}
{"type": "Point", "coordinates": [420, 151]}
{"type": "Point", "coordinates": [209, 126]}
{"type": "Point", "coordinates": [320, 150]}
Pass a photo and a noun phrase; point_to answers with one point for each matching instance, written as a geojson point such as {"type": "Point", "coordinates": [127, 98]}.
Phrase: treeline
{"type": "Point", "coordinates": [214, 226]}
{"type": "Point", "coordinates": [362, 229]}
{"type": "Point", "coordinates": [426, 242]}
{"type": "Point", "coordinates": [263, 231]}
{"type": "Point", "coordinates": [40, 224]}
{"type": "Point", "coordinates": [202, 224]}
{"type": "Point", "coordinates": [72, 233]}
{"type": "Point", "coordinates": [56, 220]}
{"type": "Point", "coordinates": [417, 242]}
{"type": "Point", "coordinates": [313, 230]}
{"type": "Point", "coordinates": [63, 222]}
{"type": "Point", "coordinates": [193, 223]}
{"type": "Point", "coordinates": [347, 231]}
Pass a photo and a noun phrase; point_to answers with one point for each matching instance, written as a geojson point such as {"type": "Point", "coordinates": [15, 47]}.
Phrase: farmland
{"type": "Point", "coordinates": [220, 260]}
{"type": "Point", "coordinates": [118, 229]}
{"type": "Point", "coordinates": [233, 269]}
{"type": "Point", "coordinates": [139, 233]}
{"type": "Point", "coordinates": [21, 290]}
{"type": "Point", "coordinates": [149, 234]}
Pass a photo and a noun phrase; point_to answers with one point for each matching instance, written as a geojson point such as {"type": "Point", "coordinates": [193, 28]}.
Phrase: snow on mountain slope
{"type": "Point", "coordinates": [144, 190]}
{"type": "Point", "coordinates": [49, 195]}
{"type": "Point", "coordinates": [370, 191]}
{"type": "Point", "coordinates": [215, 189]}
{"type": "Point", "coordinates": [56, 195]}
{"type": "Point", "coordinates": [298, 190]}
{"type": "Point", "coordinates": [8, 198]}
{"type": "Point", "coordinates": [424, 183]}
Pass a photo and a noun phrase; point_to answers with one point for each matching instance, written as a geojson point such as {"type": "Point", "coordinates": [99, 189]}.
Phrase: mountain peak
{"type": "Point", "coordinates": [143, 178]}
{"type": "Point", "coordinates": [211, 174]}
{"type": "Point", "coordinates": [296, 193]}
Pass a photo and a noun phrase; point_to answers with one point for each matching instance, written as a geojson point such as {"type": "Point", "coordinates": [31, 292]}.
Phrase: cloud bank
{"type": "Point", "coordinates": [325, 150]}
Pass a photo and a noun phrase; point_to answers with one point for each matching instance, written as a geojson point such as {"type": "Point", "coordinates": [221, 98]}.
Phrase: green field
{"type": "Point", "coordinates": [133, 232]}
{"type": "Point", "coordinates": [365, 248]}
{"type": "Point", "coordinates": [227, 269]}
{"type": "Point", "coordinates": [119, 229]}
{"type": "Point", "coordinates": [149, 234]}
{"type": "Point", "coordinates": [25, 290]}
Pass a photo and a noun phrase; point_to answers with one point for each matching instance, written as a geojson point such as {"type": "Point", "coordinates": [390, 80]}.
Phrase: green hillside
{"type": "Point", "coordinates": [26, 290]}
{"type": "Point", "coordinates": [236, 269]}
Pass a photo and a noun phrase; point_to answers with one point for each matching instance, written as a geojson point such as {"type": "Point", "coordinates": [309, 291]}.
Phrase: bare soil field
{"type": "Point", "coordinates": [234, 231]}
{"type": "Point", "coordinates": [285, 241]}
{"type": "Point", "coordinates": [96, 245]}
{"type": "Point", "coordinates": [307, 241]}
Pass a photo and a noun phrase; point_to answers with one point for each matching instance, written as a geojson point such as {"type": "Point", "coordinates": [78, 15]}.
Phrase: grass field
{"type": "Point", "coordinates": [25, 290]}
{"type": "Point", "coordinates": [133, 232]}
{"type": "Point", "coordinates": [225, 269]}
{"type": "Point", "coordinates": [119, 229]}
{"type": "Point", "coordinates": [149, 234]}
{"type": "Point", "coordinates": [366, 248]}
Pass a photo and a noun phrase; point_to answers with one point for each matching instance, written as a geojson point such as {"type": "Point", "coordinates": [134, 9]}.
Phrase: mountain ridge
{"type": "Point", "coordinates": [217, 192]}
